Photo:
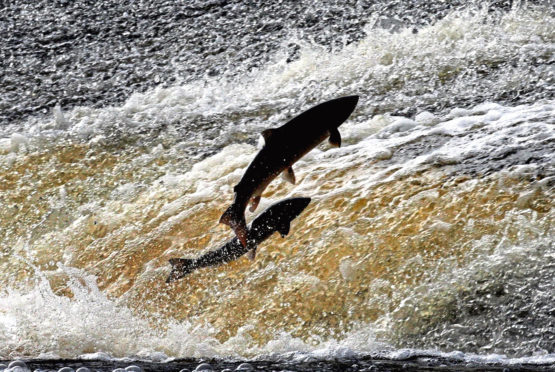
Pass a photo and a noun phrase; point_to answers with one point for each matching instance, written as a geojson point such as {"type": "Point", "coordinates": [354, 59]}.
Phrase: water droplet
{"type": "Point", "coordinates": [17, 363]}
{"type": "Point", "coordinates": [66, 369]}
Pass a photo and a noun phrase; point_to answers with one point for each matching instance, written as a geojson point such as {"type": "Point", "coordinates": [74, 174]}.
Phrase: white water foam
{"type": "Point", "coordinates": [91, 326]}
{"type": "Point", "coordinates": [40, 322]}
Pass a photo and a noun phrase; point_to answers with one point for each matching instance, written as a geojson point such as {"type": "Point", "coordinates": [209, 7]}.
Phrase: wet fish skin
{"type": "Point", "coordinates": [283, 147]}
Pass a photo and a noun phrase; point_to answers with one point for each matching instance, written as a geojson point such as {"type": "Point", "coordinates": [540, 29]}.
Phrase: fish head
{"type": "Point", "coordinates": [339, 110]}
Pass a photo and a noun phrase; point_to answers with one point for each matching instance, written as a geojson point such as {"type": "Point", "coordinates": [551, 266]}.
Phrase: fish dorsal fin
{"type": "Point", "coordinates": [267, 134]}
{"type": "Point", "coordinates": [283, 229]}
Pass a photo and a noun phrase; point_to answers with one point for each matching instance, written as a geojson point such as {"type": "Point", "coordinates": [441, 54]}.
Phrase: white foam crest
{"type": "Point", "coordinates": [382, 53]}
{"type": "Point", "coordinates": [381, 62]}
{"type": "Point", "coordinates": [90, 325]}
{"type": "Point", "coordinates": [366, 144]}
{"type": "Point", "coordinates": [501, 122]}
{"type": "Point", "coordinates": [41, 322]}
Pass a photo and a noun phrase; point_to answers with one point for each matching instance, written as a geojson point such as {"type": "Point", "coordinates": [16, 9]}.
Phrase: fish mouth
{"type": "Point", "coordinates": [304, 202]}
{"type": "Point", "coordinates": [174, 276]}
{"type": "Point", "coordinates": [352, 99]}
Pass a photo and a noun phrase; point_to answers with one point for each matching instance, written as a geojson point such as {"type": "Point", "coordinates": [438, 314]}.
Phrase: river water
{"type": "Point", "coordinates": [125, 127]}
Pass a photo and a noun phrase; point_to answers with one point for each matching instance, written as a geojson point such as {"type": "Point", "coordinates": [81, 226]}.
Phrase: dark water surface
{"type": "Point", "coordinates": [97, 53]}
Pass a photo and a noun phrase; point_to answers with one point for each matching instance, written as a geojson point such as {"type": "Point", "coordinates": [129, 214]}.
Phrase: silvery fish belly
{"type": "Point", "coordinates": [124, 129]}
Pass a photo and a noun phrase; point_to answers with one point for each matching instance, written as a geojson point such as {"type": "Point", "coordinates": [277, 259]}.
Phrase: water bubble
{"type": "Point", "coordinates": [17, 369]}
{"type": "Point", "coordinates": [66, 369]}
{"type": "Point", "coordinates": [245, 367]}
{"type": "Point", "coordinates": [17, 363]}
{"type": "Point", "coordinates": [133, 368]}
{"type": "Point", "coordinates": [83, 369]}
{"type": "Point", "coordinates": [204, 367]}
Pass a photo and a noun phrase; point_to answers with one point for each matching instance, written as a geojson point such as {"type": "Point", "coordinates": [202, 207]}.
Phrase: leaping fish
{"type": "Point", "coordinates": [277, 217]}
{"type": "Point", "coordinates": [283, 147]}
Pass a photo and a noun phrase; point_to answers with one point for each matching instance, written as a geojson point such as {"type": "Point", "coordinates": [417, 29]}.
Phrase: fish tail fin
{"type": "Point", "coordinates": [180, 268]}
{"type": "Point", "coordinates": [236, 220]}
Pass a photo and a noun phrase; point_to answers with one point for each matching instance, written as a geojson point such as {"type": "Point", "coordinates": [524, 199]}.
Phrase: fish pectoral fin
{"type": "Point", "coordinates": [267, 134]}
{"type": "Point", "coordinates": [283, 229]}
{"type": "Point", "coordinates": [251, 255]}
{"type": "Point", "coordinates": [254, 203]}
{"type": "Point", "coordinates": [335, 137]}
{"type": "Point", "coordinates": [289, 175]}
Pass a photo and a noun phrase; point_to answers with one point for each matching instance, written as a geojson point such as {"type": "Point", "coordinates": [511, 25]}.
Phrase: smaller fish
{"type": "Point", "coordinates": [277, 217]}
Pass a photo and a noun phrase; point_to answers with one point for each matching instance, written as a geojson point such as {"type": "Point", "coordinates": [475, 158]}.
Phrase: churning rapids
{"type": "Point", "coordinates": [431, 228]}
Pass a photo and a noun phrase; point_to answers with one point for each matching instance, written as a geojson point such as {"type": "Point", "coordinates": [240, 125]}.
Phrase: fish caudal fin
{"type": "Point", "coordinates": [236, 220]}
{"type": "Point", "coordinates": [335, 137]}
{"type": "Point", "coordinates": [180, 268]}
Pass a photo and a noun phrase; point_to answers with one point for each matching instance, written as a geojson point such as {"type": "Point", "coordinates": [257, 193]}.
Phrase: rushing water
{"type": "Point", "coordinates": [431, 228]}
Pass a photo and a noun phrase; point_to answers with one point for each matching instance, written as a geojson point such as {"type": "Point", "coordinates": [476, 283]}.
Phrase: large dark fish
{"type": "Point", "coordinates": [278, 217]}
{"type": "Point", "coordinates": [283, 147]}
